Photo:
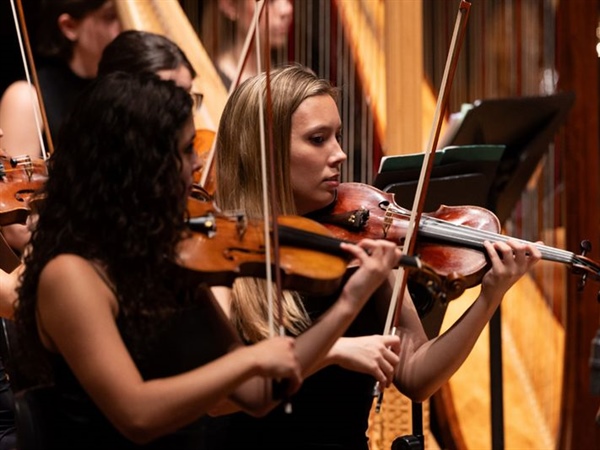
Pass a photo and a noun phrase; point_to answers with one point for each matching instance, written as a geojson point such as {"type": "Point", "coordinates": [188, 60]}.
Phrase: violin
{"type": "Point", "coordinates": [450, 238]}
{"type": "Point", "coordinates": [20, 179]}
{"type": "Point", "coordinates": [219, 248]}
{"type": "Point", "coordinates": [205, 177]}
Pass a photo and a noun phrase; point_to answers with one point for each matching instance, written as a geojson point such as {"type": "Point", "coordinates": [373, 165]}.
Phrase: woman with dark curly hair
{"type": "Point", "coordinates": [136, 355]}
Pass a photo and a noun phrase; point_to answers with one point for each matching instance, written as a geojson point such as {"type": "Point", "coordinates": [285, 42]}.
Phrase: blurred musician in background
{"type": "Point", "coordinates": [72, 36]}
{"type": "Point", "coordinates": [225, 27]}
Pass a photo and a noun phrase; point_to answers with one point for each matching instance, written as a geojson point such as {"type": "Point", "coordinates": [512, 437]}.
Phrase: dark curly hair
{"type": "Point", "coordinates": [114, 196]}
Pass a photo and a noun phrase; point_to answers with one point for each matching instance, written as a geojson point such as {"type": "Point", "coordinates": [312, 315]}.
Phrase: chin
{"type": "Point", "coordinates": [325, 200]}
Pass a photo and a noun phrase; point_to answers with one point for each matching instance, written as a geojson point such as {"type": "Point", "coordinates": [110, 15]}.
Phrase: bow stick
{"type": "Point", "coordinates": [250, 37]}
{"type": "Point", "coordinates": [27, 57]}
{"type": "Point", "coordinates": [393, 316]}
{"type": "Point", "coordinates": [268, 178]}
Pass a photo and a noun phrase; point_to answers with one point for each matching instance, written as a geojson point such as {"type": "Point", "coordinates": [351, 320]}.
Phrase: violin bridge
{"type": "Point", "coordinates": [387, 220]}
{"type": "Point", "coordinates": [25, 162]}
{"type": "Point", "coordinates": [241, 225]}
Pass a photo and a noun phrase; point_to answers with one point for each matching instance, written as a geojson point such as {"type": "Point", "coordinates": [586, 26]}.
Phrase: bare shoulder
{"type": "Point", "coordinates": [19, 95]}
{"type": "Point", "coordinates": [66, 264]}
{"type": "Point", "coordinates": [69, 278]}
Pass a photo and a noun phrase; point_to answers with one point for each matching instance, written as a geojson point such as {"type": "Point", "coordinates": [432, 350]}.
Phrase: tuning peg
{"type": "Point", "coordinates": [586, 246]}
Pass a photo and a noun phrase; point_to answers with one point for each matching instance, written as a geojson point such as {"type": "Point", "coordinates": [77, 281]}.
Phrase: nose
{"type": "Point", "coordinates": [196, 162]}
{"type": "Point", "coordinates": [338, 156]}
{"type": "Point", "coordinates": [117, 28]}
{"type": "Point", "coordinates": [284, 7]}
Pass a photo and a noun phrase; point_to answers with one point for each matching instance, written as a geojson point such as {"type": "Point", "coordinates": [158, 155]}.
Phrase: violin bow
{"type": "Point", "coordinates": [268, 177]}
{"type": "Point", "coordinates": [250, 37]}
{"type": "Point", "coordinates": [393, 316]}
{"type": "Point", "coordinates": [27, 57]}
{"type": "Point", "coordinates": [270, 206]}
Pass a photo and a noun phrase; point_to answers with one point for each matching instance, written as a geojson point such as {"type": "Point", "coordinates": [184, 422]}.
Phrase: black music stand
{"type": "Point", "coordinates": [526, 126]}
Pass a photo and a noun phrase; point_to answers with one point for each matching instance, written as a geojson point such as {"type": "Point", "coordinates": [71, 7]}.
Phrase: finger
{"type": "Point", "coordinates": [356, 251]}
{"type": "Point", "coordinates": [292, 384]}
{"type": "Point", "coordinates": [498, 252]}
{"type": "Point", "coordinates": [392, 342]}
{"type": "Point", "coordinates": [391, 357]}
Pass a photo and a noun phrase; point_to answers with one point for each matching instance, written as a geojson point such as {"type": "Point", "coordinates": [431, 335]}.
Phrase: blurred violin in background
{"type": "Point", "coordinates": [20, 180]}
{"type": "Point", "coordinates": [205, 177]}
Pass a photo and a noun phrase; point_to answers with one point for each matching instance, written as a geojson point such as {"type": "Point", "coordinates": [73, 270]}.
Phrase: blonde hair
{"type": "Point", "coordinates": [239, 158]}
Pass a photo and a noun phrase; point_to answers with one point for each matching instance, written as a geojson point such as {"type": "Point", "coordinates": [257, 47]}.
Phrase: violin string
{"type": "Point", "coordinates": [432, 227]}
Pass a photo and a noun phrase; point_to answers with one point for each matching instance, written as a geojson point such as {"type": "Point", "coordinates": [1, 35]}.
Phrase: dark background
{"type": "Point", "coordinates": [11, 68]}
{"type": "Point", "coordinates": [12, 65]}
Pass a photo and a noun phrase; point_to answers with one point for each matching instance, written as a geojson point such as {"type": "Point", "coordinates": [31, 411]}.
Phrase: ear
{"type": "Point", "coordinates": [229, 9]}
{"type": "Point", "coordinates": [68, 26]}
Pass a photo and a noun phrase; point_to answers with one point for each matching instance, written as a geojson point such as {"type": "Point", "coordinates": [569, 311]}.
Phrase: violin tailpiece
{"type": "Point", "coordinates": [354, 220]}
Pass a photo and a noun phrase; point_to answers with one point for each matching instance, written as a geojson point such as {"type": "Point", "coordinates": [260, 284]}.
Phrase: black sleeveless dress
{"type": "Point", "coordinates": [329, 412]}
{"type": "Point", "coordinates": [60, 88]}
{"type": "Point", "coordinates": [192, 337]}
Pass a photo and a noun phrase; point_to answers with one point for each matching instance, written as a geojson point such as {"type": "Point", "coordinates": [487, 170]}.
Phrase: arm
{"type": "Point", "coordinates": [426, 364]}
{"type": "Point", "coordinates": [17, 236]}
{"type": "Point", "coordinates": [75, 302]}
{"type": "Point", "coordinates": [8, 294]}
{"type": "Point", "coordinates": [313, 345]}
{"type": "Point", "coordinates": [17, 120]}
{"type": "Point", "coordinates": [375, 355]}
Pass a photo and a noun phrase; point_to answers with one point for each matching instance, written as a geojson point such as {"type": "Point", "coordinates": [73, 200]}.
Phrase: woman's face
{"type": "Point", "coordinates": [93, 32]}
{"type": "Point", "coordinates": [280, 19]}
{"type": "Point", "coordinates": [189, 159]}
{"type": "Point", "coordinates": [315, 153]}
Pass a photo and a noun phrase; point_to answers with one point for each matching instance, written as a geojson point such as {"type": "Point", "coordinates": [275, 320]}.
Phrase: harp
{"type": "Point", "coordinates": [508, 44]}
{"type": "Point", "coordinates": [510, 52]}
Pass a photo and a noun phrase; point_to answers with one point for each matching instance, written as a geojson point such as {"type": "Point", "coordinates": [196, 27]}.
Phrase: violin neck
{"type": "Point", "coordinates": [447, 232]}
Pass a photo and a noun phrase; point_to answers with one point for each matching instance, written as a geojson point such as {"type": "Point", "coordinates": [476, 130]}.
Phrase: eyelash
{"type": "Point", "coordinates": [318, 140]}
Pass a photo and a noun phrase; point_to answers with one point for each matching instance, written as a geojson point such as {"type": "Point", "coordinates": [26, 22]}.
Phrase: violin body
{"type": "Point", "coordinates": [20, 179]}
{"type": "Point", "coordinates": [220, 248]}
{"type": "Point", "coordinates": [449, 240]}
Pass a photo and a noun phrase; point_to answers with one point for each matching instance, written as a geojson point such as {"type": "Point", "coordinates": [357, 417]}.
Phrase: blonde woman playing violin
{"type": "Point", "coordinates": [331, 408]}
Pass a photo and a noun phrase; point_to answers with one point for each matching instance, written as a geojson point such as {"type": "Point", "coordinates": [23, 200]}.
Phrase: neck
{"type": "Point", "coordinates": [83, 67]}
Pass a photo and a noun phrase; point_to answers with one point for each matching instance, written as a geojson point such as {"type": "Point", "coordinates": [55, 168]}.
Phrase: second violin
{"type": "Point", "coordinates": [20, 179]}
